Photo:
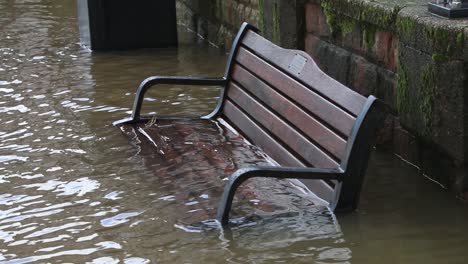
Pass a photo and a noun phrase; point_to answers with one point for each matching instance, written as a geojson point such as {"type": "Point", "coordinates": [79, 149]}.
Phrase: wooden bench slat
{"type": "Point", "coordinates": [320, 188]}
{"type": "Point", "coordinates": [310, 74]}
{"type": "Point", "coordinates": [276, 151]}
{"type": "Point", "coordinates": [290, 111]}
{"type": "Point", "coordinates": [280, 129]}
{"type": "Point", "coordinates": [308, 99]}
{"type": "Point", "coordinates": [258, 136]}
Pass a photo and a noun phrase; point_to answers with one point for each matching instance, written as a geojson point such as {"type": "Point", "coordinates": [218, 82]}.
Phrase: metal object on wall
{"type": "Point", "coordinates": [123, 24]}
{"type": "Point", "coordinates": [449, 8]}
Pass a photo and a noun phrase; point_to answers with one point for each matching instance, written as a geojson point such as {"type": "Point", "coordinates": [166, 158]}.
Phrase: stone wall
{"type": "Point", "coordinates": [417, 63]}
{"type": "Point", "coordinates": [219, 20]}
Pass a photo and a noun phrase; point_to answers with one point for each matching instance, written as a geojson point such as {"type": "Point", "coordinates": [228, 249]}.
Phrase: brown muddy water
{"type": "Point", "coordinates": [74, 190]}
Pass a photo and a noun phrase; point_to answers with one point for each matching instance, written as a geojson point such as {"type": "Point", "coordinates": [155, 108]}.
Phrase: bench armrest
{"type": "Point", "coordinates": [241, 175]}
{"type": "Point", "coordinates": [177, 80]}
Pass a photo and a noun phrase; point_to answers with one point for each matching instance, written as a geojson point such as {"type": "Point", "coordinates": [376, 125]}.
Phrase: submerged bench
{"type": "Point", "coordinates": [313, 127]}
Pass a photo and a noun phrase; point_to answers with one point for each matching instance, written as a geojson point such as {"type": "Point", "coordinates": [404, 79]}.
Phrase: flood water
{"type": "Point", "coordinates": [73, 189]}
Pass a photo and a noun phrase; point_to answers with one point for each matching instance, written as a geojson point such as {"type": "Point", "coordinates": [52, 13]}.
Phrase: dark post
{"type": "Point", "coordinates": [124, 24]}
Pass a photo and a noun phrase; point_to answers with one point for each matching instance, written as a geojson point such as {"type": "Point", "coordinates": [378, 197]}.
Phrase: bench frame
{"type": "Point", "coordinates": [352, 167]}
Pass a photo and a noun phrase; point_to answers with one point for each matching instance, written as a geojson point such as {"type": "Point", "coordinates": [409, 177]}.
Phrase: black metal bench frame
{"type": "Point", "coordinates": [351, 170]}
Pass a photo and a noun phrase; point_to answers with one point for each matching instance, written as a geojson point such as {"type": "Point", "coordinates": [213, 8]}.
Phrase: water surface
{"type": "Point", "coordinates": [73, 189]}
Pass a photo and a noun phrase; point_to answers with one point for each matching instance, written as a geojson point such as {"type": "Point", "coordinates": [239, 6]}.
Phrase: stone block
{"type": "Point", "coordinates": [386, 49]}
{"type": "Point", "coordinates": [228, 39]}
{"type": "Point", "coordinates": [385, 135]}
{"type": "Point", "coordinates": [442, 38]}
{"type": "Point", "coordinates": [254, 18]}
{"type": "Point", "coordinates": [464, 188]}
{"type": "Point", "coordinates": [465, 45]}
{"type": "Point", "coordinates": [460, 184]}
{"type": "Point", "coordinates": [386, 87]}
{"type": "Point", "coordinates": [362, 75]}
{"type": "Point", "coordinates": [185, 15]}
{"type": "Point", "coordinates": [431, 98]}
{"type": "Point", "coordinates": [334, 60]}
{"type": "Point", "coordinates": [405, 144]}
{"type": "Point", "coordinates": [316, 21]}
{"type": "Point", "coordinates": [254, 3]}
{"type": "Point", "coordinates": [353, 40]}
{"type": "Point", "coordinates": [378, 13]}
{"type": "Point", "coordinates": [201, 27]}
{"type": "Point", "coordinates": [311, 45]}
{"type": "Point", "coordinates": [437, 166]}
{"type": "Point", "coordinates": [212, 34]}
{"type": "Point", "coordinates": [311, 17]}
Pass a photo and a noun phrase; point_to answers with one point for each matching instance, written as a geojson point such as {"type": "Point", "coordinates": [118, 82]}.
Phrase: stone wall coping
{"type": "Point", "coordinates": [446, 39]}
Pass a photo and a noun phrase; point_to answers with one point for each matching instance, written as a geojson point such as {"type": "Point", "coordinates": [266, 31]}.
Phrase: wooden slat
{"type": "Point", "coordinates": [319, 106]}
{"type": "Point", "coordinates": [290, 111]}
{"type": "Point", "coordinates": [311, 74]}
{"type": "Point", "coordinates": [318, 187]}
{"type": "Point", "coordinates": [288, 135]}
{"type": "Point", "coordinates": [259, 137]}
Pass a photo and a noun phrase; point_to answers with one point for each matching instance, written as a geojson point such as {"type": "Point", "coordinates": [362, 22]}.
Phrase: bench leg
{"type": "Point", "coordinates": [228, 195]}
{"type": "Point", "coordinates": [236, 179]}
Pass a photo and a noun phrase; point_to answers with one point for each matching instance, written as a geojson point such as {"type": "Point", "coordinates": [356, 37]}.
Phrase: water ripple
{"type": "Point", "coordinates": [77, 187]}
{"type": "Point", "coordinates": [118, 219]}
{"type": "Point", "coordinates": [6, 158]}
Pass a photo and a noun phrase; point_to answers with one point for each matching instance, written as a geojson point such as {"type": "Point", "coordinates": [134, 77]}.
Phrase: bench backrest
{"type": "Point", "coordinates": [282, 102]}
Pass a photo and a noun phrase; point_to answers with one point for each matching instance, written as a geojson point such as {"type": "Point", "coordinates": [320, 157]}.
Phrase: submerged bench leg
{"type": "Point", "coordinates": [230, 189]}
{"type": "Point", "coordinates": [236, 179]}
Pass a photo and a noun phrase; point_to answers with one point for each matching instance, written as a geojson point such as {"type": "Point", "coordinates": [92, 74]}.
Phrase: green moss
{"type": "Point", "coordinates": [444, 41]}
{"type": "Point", "coordinates": [460, 39]}
{"type": "Point", "coordinates": [261, 8]}
{"type": "Point", "coordinates": [342, 24]}
{"type": "Point", "coordinates": [405, 26]}
{"type": "Point", "coordinates": [439, 58]}
{"type": "Point", "coordinates": [343, 17]}
{"type": "Point", "coordinates": [347, 26]}
{"type": "Point", "coordinates": [427, 92]}
{"type": "Point", "coordinates": [350, 8]}
{"type": "Point", "coordinates": [403, 85]}
{"type": "Point", "coordinates": [330, 16]}
{"type": "Point", "coordinates": [369, 36]}
{"type": "Point", "coordinates": [276, 23]}
{"type": "Point", "coordinates": [379, 16]}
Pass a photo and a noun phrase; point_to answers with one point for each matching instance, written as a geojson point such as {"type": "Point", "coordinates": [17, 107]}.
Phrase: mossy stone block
{"type": "Point", "coordinates": [442, 38]}
{"type": "Point", "coordinates": [431, 99]}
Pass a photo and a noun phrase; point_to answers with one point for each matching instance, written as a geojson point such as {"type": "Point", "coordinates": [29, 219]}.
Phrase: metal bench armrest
{"type": "Point", "coordinates": [176, 80]}
{"type": "Point", "coordinates": [241, 175]}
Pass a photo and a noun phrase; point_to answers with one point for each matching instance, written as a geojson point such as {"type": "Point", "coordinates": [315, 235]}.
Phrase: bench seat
{"type": "Point", "coordinates": [193, 159]}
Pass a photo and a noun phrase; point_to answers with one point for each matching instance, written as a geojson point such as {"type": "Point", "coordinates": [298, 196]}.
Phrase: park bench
{"type": "Point", "coordinates": [315, 129]}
